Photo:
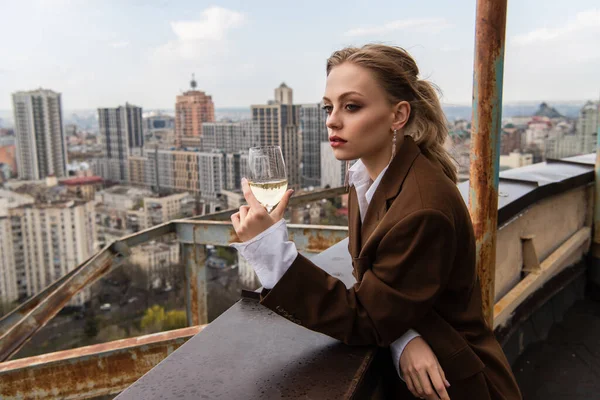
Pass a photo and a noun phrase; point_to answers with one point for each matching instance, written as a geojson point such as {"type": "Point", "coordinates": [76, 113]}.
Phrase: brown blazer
{"type": "Point", "coordinates": [414, 262]}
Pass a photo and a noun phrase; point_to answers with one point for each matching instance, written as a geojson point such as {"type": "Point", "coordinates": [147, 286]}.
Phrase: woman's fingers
{"type": "Point", "coordinates": [437, 379]}
{"type": "Point", "coordinates": [427, 389]}
{"type": "Point", "coordinates": [410, 385]}
{"type": "Point", "coordinates": [243, 212]}
{"type": "Point", "coordinates": [235, 220]}
{"type": "Point", "coordinates": [278, 212]}
{"type": "Point", "coordinates": [417, 384]}
{"type": "Point", "coordinates": [249, 196]}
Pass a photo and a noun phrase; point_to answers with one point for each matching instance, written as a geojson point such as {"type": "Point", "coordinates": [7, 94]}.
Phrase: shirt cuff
{"type": "Point", "coordinates": [397, 348]}
{"type": "Point", "coordinates": [269, 253]}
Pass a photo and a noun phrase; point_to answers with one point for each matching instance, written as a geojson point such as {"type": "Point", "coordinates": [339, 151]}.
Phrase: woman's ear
{"type": "Point", "coordinates": [401, 115]}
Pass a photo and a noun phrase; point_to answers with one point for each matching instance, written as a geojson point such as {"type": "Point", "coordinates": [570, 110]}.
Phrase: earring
{"type": "Point", "coordinates": [394, 144]}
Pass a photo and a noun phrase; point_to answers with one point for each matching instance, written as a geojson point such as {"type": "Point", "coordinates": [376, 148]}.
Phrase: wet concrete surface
{"type": "Point", "coordinates": [567, 364]}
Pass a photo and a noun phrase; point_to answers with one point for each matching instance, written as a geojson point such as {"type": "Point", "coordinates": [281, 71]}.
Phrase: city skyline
{"type": "Point", "coordinates": [239, 53]}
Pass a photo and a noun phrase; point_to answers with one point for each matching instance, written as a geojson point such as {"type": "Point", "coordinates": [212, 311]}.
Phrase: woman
{"type": "Point", "coordinates": [410, 236]}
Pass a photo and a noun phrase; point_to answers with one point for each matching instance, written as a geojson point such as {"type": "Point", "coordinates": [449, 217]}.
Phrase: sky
{"type": "Point", "coordinates": [103, 53]}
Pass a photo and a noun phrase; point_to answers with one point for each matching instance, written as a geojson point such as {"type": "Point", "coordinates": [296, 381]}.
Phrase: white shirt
{"type": "Point", "coordinates": [272, 257]}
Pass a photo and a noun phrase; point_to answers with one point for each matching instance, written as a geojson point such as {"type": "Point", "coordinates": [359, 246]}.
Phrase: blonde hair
{"type": "Point", "coordinates": [397, 72]}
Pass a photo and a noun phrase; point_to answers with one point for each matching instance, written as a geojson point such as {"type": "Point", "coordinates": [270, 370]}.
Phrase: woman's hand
{"type": "Point", "coordinates": [254, 218]}
{"type": "Point", "coordinates": [420, 368]}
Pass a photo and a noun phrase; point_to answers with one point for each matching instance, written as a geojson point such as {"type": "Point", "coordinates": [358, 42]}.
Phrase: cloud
{"type": "Point", "coordinates": [119, 45]}
{"type": "Point", "coordinates": [430, 25]}
{"type": "Point", "coordinates": [583, 21]}
{"type": "Point", "coordinates": [214, 25]}
{"type": "Point", "coordinates": [194, 38]}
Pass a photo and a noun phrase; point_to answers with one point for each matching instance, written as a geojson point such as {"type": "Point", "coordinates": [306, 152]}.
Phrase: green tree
{"type": "Point", "coordinates": [175, 320]}
{"type": "Point", "coordinates": [227, 254]}
{"type": "Point", "coordinates": [153, 319]}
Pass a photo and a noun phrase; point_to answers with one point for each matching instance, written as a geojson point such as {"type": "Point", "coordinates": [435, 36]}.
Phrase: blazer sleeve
{"type": "Point", "coordinates": [410, 269]}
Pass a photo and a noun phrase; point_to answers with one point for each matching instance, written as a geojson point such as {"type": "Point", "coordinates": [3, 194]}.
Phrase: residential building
{"type": "Point", "coordinates": [229, 137]}
{"type": "Point", "coordinates": [314, 132]}
{"type": "Point", "coordinates": [159, 128]}
{"type": "Point", "coordinates": [83, 187]}
{"type": "Point", "coordinates": [51, 238]}
{"type": "Point", "coordinates": [156, 258]}
{"type": "Point", "coordinates": [119, 212]}
{"type": "Point", "coordinates": [278, 124]}
{"type": "Point", "coordinates": [510, 139]}
{"type": "Point", "coordinates": [588, 125]}
{"type": "Point", "coordinates": [158, 210]}
{"type": "Point", "coordinates": [40, 139]}
{"type": "Point", "coordinates": [192, 109]}
{"type": "Point", "coordinates": [8, 272]}
{"type": "Point", "coordinates": [515, 160]}
{"type": "Point", "coordinates": [284, 94]}
{"type": "Point", "coordinates": [121, 131]}
{"type": "Point", "coordinates": [8, 265]}
{"type": "Point", "coordinates": [333, 171]}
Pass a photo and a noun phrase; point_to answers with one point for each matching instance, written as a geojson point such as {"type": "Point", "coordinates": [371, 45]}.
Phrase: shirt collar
{"type": "Point", "coordinates": [359, 177]}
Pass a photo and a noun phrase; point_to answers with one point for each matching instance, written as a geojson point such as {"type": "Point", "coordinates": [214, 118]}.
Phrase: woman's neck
{"type": "Point", "coordinates": [377, 162]}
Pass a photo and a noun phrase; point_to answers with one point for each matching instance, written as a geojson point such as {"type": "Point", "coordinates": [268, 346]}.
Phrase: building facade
{"type": "Point", "coordinates": [192, 109]}
{"type": "Point", "coordinates": [121, 131]}
{"type": "Point", "coordinates": [588, 125]}
{"type": "Point", "coordinates": [49, 240]}
{"type": "Point", "coordinates": [332, 170]}
{"type": "Point", "coordinates": [278, 124]}
{"type": "Point", "coordinates": [230, 137]}
{"type": "Point", "coordinates": [40, 139]}
{"type": "Point", "coordinates": [313, 132]}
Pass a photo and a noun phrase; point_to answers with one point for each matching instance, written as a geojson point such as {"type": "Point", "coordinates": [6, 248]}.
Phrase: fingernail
{"type": "Point", "coordinates": [244, 179]}
{"type": "Point", "coordinates": [447, 383]}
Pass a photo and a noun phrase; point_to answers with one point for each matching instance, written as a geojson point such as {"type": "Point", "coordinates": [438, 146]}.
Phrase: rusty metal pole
{"type": "Point", "coordinates": [490, 27]}
{"type": "Point", "coordinates": [196, 290]}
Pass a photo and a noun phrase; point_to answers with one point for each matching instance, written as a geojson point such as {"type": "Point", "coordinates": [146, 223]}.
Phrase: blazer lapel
{"type": "Point", "coordinates": [353, 223]}
{"type": "Point", "coordinates": [389, 187]}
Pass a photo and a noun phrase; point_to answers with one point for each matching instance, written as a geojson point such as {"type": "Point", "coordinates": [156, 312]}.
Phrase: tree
{"type": "Point", "coordinates": [156, 320]}
{"type": "Point", "coordinates": [153, 319]}
{"type": "Point", "coordinates": [227, 254]}
{"type": "Point", "coordinates": [175, 320]}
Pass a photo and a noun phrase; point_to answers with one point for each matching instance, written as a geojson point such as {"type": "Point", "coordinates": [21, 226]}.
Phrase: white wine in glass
{"type": "Point", "coordinates": [268, 176]}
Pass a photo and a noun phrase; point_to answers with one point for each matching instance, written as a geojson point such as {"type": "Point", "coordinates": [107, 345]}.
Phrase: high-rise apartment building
{"type": "Point", "coordinates": [49, 240]}
{"type": "Point", "coordinates": [121, 130]}
{"type": "Point", "coordinates": [159, 128]}
{"type": "Point", "coordinates": [8, 269]}
{"type": "Point", "coordinates": [278, 124]}
{"type": "Point", "coordinates": [41, 148]}
{"type": "Point", "coordinates": [230, 137]}
{"type": "Point", "coordinates": [201, 173]}
{"type": "Point", "coordinates": [192, 109]}
{"type": "Point", "coordinates": [588, 125]}
{"type": "Point", "coordinates": [284, 94]}
{"type": "Point", "coordinates": [8, 272]}
{"type": "Point", "coordinates": [313, 131]}
{"type": "Point", "coordinates": [332, 170]}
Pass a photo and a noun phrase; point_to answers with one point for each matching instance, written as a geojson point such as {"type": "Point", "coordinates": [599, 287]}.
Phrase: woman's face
{"type": "Point", "coordinates": [360, 116]}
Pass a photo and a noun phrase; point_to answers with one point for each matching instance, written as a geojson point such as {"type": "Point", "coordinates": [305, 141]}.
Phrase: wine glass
{"type": "Point", "coordinates": [268, 176]}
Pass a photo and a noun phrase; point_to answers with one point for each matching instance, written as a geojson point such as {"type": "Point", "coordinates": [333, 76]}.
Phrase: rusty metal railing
{"type": "Point", "coordinates": [17, 328]}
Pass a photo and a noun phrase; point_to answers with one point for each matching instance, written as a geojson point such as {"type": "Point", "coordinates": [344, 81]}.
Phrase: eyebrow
{"type": "Point", "coordinates": [344, 95]}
